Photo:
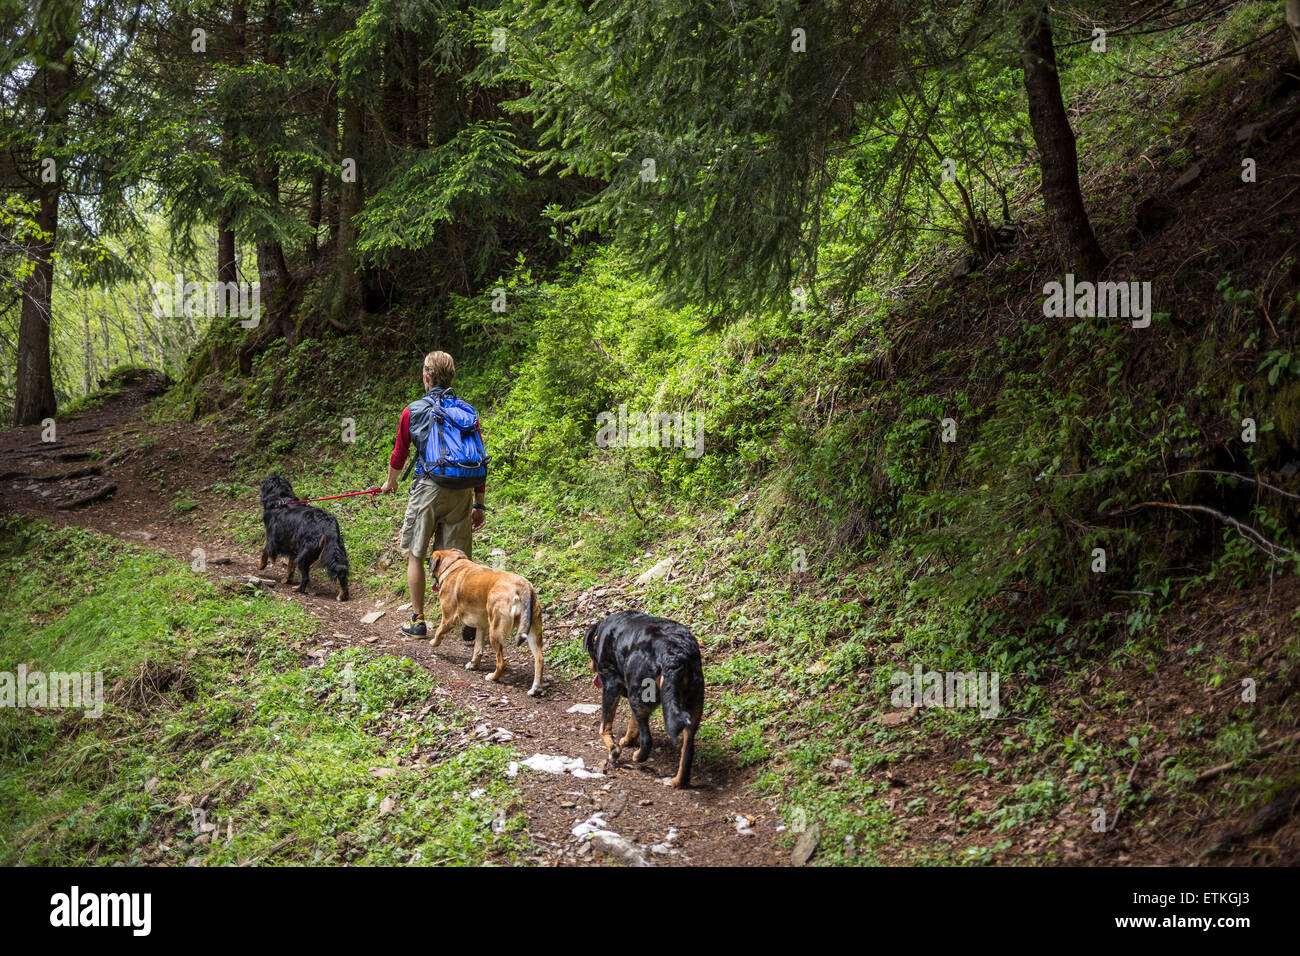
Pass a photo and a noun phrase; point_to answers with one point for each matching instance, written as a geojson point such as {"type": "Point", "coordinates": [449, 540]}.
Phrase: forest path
{"type": "Point", "coordinates": [115, 473]}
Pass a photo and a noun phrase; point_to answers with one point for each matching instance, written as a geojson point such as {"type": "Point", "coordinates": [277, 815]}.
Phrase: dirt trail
{"type": "Point", "coordinates": [69, 482]}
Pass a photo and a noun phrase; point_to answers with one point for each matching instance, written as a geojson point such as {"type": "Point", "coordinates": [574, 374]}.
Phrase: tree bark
{"type": "Point", "coordinates": [104, 353]}
{"type": "Point", "coordinates": [139, 331]}
{"type": "Point", "coordinates": [227, 270]}
{"type": "Point", "coordinates": [329, 122]}
{"type": "Point", "coordinates": [34, 391]}
{"type": "Point", "coordinates": [1059, 158]}
{"type": "Point", "coordinates": [392, 97]}
{"type": "Point", "coordinates": [444, 104]}
{"type": "Point", "coordinates": [313, 217]}
{"type": "Point", "coordinates": [273, 269]}
{"type": "Point", "coordinates": [35, 400]}
{"type": "Point", "coordinates": [85, 349]}
{"type": "Point", "coordinates": [1293, 23]}
{"type": "Point", "coordinates": [350, 200]}
{"type": "Point", "coordinates": [411, 82]}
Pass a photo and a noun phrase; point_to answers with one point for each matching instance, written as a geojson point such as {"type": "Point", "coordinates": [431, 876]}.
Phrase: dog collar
{"type": "Point", "coordinates": [437, 579]}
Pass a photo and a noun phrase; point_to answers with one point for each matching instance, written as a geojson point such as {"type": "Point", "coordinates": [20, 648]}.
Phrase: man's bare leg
{"type": "Point", "coordinates": [415, 583]}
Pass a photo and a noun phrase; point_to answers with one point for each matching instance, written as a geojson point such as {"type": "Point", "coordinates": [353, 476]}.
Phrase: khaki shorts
{"type": "Point", "coordinates": [437, 515]}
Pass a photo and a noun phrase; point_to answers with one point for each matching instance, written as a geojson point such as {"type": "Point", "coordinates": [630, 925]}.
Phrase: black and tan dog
{"type": "Point", "coordinates": [302, 534]}
{"type": "Point", "coordinates": [648, 660]}
{"type": "Point", "coordinates": [497, 603]}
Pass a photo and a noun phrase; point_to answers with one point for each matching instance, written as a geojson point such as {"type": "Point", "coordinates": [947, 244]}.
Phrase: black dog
{"type": "Point", "coordinates": [302, 534]}
{"type": "Point", "coordinates": [647, 659]}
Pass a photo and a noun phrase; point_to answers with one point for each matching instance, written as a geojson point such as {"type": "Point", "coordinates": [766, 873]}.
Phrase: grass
{"type": "Point", "coordinates": [217, 746]}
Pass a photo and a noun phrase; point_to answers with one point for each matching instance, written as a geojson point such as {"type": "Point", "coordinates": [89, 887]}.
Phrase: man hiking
{"type": "Point", "coordinates": [441, 434]}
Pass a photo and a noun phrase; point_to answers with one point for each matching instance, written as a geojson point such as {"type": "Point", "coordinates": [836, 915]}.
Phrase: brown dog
{"type": "Point", "coordinates": [497, 603]}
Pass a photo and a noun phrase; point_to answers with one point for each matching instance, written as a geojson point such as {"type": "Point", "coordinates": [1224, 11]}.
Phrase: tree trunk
{"type": "Point", "coordinates": [1059, 157]}
{"type": "Point", "coordinates": [411, 82]}
{"type": "Point", "coordinates": [1293, 23]}
{"type": "Point", "coordinates": [392, 97]}
{"type": "Point", "coordinates": [104, 353]}
{"type": "Point", "coordinates": [444, 99]}
{"type": "Point", "coordinates": [271, 266]}
{"type": "Point", "coordinates": [85, 350]}
{"type": "Point", "coordinates": [226, 268]}
{"type": "Point", "coordinates": [313, 217]}
{"type": "Point", "coordinates": [333, 197]}
{"type": "Point", "coordinates": [329, 122]}
{"type": "Point", "coordinates": [139, 331]}
{"type": "Point", "coordinates": [350, 202]}
{"type": "Point", "coordinates": [126, 337]}
{"type": "Point", "coordinates": [34, 391]}
{"type": "Point", "coordinates": [34, 400]}
{"type": "Point", "coordinates": [273, 270]}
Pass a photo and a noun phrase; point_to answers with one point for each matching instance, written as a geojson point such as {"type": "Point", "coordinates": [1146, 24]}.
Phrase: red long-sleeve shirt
{"type": "Point", "coordinates": [402, 447]}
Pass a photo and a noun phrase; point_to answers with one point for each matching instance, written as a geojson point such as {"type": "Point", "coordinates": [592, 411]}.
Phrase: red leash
{"type": "Point", "coordinates": [351, 494]}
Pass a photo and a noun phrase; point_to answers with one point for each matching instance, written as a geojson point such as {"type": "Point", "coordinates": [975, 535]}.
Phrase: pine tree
{"type": "Point", "coordinates": [719, 132]}
{"type": "Point", "coordinates": [61, 148]}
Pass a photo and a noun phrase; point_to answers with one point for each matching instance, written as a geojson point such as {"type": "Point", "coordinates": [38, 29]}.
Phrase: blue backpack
{"type": "Point", "coordinates": [445, 442]}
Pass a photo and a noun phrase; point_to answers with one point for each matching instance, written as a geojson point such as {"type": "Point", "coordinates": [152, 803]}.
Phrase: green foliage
{"type": "Point", "coordinates": [471, 178]}
{"type": "Point", "coordinates": [736, 172]}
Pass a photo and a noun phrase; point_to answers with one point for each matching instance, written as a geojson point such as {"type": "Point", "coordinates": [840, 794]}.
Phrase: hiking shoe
{"type": "Point", "coordinates": [467, 633]}
{"type": "Point", "coordinates": [415, 628]}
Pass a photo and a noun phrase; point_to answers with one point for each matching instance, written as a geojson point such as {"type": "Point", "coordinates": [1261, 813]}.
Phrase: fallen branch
{"type": "Point", "coordinates": [1256, 539]}
{"type": "Point", "coordinates": [1267, 748]}
{"type": "Point", "coordinates": [1233, 474]}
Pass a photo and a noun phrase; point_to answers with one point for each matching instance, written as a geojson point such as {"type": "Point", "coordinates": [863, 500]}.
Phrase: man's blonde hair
{"type": "Point", "coordinates": [441, 369]}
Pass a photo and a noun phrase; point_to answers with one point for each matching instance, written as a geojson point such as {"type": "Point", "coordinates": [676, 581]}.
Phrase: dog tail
{"type": "Point", "coordinates": [525, 617]}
